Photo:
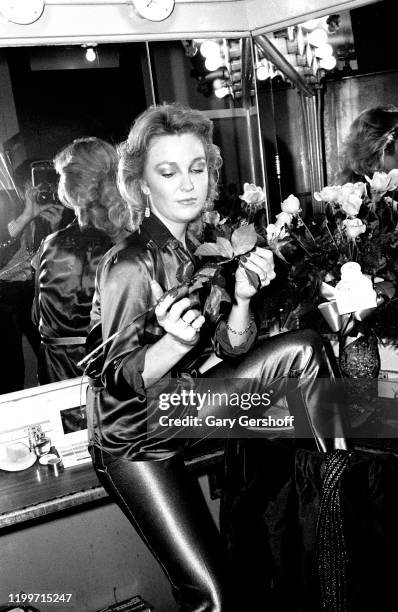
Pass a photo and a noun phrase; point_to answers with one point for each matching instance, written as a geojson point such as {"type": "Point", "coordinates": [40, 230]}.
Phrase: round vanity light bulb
{"type": "Point", "coordinates": [22, 12]}
{"type": "Point", "coordinates": [91, 55]}
{"type": "Point", "coordinates": [324, 51]}
{"type": "Point", "coordinates": [209, 47]}
{"type": "Point", "coordinates": [317, 37]}
{"type": "Point", "coordinates": [328, 63]}
{"type": "Point", "coordinates": [213, 62]}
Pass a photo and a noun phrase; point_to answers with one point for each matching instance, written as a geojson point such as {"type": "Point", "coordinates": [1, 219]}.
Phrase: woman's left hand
{"type": "Point", "coordinates": [261, 262]}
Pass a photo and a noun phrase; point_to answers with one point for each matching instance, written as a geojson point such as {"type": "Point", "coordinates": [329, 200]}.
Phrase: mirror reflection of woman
{"type": "Point", "coordinates": [67, 260]}
{"type": "Point", "coordinates": [372, 144]}
{"type": "Point", "coordinates": [168, 174]}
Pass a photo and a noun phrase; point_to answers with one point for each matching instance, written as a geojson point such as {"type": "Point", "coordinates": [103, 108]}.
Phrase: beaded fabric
{"type": "Point", "coordinates": [18, 267]}
{"type": "Point", "coordinates": [332, 556]}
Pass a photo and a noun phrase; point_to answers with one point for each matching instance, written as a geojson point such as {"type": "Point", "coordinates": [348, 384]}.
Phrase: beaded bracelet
{"type": "Point", "coordinates": [7, 243]}
{"type": "Point", "coordinates": [244, 331]}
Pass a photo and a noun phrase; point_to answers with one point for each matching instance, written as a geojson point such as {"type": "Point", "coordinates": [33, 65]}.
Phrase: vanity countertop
{"type": "Point", "coordinates": [40, 493]}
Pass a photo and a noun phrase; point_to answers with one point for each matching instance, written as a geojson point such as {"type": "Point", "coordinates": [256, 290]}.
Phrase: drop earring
{"type": "Point", "coordinates": [147, 212]}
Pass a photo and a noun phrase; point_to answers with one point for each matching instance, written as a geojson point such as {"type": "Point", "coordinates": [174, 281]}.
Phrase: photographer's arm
{"type": "Point", "coordinates": [31, 210]}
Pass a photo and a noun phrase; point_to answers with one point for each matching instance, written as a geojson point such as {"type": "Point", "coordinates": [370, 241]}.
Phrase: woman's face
{"type": "Point", "coordinates": [390, 160]}
{"type": "Point", "coordinates": [177, 177]}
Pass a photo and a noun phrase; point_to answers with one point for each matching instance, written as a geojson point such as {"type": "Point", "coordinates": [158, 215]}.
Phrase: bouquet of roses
{"type": "Point", "coordinates": [358, 223]}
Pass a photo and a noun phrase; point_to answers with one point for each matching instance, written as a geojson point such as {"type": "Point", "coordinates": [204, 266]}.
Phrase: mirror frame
{"type": "Point", "coordinates": [72, 23]}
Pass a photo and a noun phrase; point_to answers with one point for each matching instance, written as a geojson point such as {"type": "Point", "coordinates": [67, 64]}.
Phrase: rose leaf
{"type": "Point", "coordinates": [213, 302]}
{"type": "Point", "coordinates": [225, 247]}
{"type": "Point", "coordinates": [244, 239]}
{"type": "Point", "coordinates": [209, 249]}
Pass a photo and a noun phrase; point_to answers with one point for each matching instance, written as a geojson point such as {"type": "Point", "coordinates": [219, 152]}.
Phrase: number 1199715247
{"type": "Point", "coordinates": [26, 598]}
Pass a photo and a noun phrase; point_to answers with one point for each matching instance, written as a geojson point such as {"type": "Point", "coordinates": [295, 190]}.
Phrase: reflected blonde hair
{"type": "Point", "coordinates": [372, 135]}
{"type": "Point", "coordinates": [89, 166]}
{"type": "Point", "coordinates": [156, 121]}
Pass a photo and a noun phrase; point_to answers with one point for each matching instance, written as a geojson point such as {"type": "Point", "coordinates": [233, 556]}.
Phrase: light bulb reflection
{"type": "Point", "coordinates": [317, 38]}
{"type": "Point", "coordinates": [209, 47]}
{"type": "Point", "coordinates": [213, 62]}
{"type": "Point", "coordinates": [262, 72]}
{"type": "Point", "coordinates": [221, 92]}
{"type": "Point", "coordinates": [324, 51]}
{"type": "Point", "coordinates": [310, 25]}
{"type": "Point", "coordinates": [218, 83]}
{"type": "Point", "coordinates": [91, 55]}
{"type": "Point", "coordinates": [328, 63]}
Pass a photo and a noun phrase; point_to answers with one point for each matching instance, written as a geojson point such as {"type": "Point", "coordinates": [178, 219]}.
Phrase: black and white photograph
{"type": "Point", "coordinates": [198, 306]}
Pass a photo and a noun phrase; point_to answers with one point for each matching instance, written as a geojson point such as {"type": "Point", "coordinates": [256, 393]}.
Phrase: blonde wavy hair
{"type": "Point", "coordinates": [372, 135]}
{"type": "Point", "coordinates": [89, 169]}
{"type": "Point", "coordinates": [163, 120]}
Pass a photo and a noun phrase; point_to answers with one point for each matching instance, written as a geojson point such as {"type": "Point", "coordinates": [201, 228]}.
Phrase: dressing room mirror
{"type": "Point", "coordinates": [313, 79]}
{"type": "Point", "coordinates": [50, 95]}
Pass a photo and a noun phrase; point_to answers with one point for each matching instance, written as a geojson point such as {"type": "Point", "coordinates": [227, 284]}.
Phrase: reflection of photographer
{"type": "Point", "coordinates": [24, 222]}
{"type": "Point", "coordinates": [26, 219]}
{"type": "Point", "coordinates": [45, 178]}
{"type": "Point", "coordinates": [20, 238]}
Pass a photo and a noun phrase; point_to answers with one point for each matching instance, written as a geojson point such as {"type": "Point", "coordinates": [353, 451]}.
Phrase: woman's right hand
{"type": "Point", "coordinates": [31, 208]}
{"type": "Point", "coordinates": [175, 315]}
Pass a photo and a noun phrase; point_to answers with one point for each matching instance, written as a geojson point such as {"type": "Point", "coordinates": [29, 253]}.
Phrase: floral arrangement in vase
{"type": "Point", "coordinates": [358, 223]}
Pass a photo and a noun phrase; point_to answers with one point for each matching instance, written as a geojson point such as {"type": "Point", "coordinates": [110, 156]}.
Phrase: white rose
{"type": "Point", "coordinates": [212, 217]}
{"type": "Point", "coordinates": [252, 194]}
{"type": "Point", "coordinates": [393, 179]}
{"type": "Point", "coordinates": [284, 218]}
{"type": "Point", "coordinates": [291, 205]}
{"type": "Point", "coordinates": [272, 231]}
{"type": "Point", "coordinates": [359, 189]}
{"type": "Point", "coordinates": [328, 194]}
{"type": "Point", "coordinates": [275, 232]}
{"type": "Point", "coordinates": [351, 204]}
{"type": "Point", "coordinates": [350, 197]}
{"type": "Point", "coordinates": [379, 182]}
{"type": "Point", "coordinates": [353, 228]}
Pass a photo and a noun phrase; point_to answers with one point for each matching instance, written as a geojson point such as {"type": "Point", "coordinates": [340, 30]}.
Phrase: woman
{"type": "Point", "coordinates": [371, 144]}
{"type": "Point", "coordinates": [167, 173]}
{"type": "Point", "coordinates": [67, 260]}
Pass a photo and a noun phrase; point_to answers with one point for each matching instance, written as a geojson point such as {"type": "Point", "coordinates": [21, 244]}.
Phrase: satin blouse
{"type": "Point", "coordinates": [117, 408]}
{"type": "Point", "coordinates": [65, 280]}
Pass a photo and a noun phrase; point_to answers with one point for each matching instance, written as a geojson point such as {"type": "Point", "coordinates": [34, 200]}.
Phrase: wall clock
{"type": "Point", "coordinates": [154, 10]}
{"type": "Point", "coordinates": [22, 12]}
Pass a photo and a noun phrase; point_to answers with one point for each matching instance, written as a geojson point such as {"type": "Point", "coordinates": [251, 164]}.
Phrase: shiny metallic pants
{"type": "Point", "coordinates": [164, 502]}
